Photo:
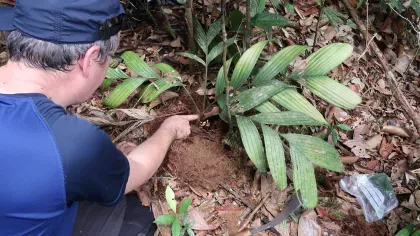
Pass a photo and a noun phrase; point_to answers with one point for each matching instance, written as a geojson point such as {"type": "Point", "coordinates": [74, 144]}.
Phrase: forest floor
{"type": "Point", "coordinates": [223, 184]}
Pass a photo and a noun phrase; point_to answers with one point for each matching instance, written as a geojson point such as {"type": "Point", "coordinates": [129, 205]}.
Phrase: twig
{"type": "Point", "coordinates": [392, 81]}
{"type": "Point", "coordinates": [367, 26]}
{"type": "Point", "coordinates": [236, 195]}
{"type": "Point", "coordinates": [192, 100]}
{"type": "Point", "coordinates": [321, 10]}
{"type": "Point", "coordinates": [134, 126]}
{"type": "Point", "coordinates": [367, 46]}
{"type": "Point", "coordinates": [412, 59]}
{"type": "Point", "coordinates": [191, 44]}
{"type": "Point", "coordinates": [247, 33]}
{"type": "Point", "coordinates": [168, 25]}
{"type": "Point", "coordinates": [203, 5]}
{"type": "Point", "coordinates": [411, 23]}
{"type": "Point", "coordinates": [225, 69]}
{"type": "Point", "coordinates": [251, 216]}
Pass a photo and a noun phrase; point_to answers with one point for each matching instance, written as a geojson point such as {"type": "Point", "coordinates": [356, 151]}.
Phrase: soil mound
{"type": "Point", "coordinates": [201, 162]}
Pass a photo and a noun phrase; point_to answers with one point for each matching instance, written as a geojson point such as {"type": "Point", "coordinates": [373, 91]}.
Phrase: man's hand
{"type": "Point", "coordinates": [178, 126]}
{"type": "Point", "coordinates": [10, 2]}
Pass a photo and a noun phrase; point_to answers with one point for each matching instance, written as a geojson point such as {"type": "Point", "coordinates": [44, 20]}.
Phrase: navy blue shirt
{"type": "Point", "coordinates": [50, 160]}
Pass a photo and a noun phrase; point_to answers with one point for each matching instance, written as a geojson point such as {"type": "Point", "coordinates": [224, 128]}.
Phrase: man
{"type": "Point", "coordinates": [51, 160]}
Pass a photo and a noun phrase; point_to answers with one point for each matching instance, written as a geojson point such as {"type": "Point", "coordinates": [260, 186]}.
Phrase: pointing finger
{"type": "Point", "coordinates": [190, 117]}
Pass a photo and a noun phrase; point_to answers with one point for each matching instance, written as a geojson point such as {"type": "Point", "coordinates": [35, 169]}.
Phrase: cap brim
{"type": "Point", "coordinates": [6, 19]}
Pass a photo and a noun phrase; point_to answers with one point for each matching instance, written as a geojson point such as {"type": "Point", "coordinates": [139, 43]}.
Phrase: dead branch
{"type": "Point", "coordinates": [225, 69]}
{"type": "Point", "coordinates": [392, 81]}
{"type": "Point", "coordinates": [237, 196]}
{"type": "Point", "coordinates": [251, 216]}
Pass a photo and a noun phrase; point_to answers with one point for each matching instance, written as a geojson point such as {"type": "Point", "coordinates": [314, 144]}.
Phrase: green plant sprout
{"type": "Point", "coordinates": [179, 220]}
{"type": "Point", "coordinates": [204, 40]}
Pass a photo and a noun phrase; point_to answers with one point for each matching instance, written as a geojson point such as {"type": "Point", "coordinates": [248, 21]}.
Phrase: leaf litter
{"type": "Point", "coordinates": [381, 139]}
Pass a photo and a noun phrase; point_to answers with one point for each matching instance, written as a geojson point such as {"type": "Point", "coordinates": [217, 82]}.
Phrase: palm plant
{"type": "Point", "coordinates": [169, 79]}
{"type": "Point", "coordinates": [272, 102]}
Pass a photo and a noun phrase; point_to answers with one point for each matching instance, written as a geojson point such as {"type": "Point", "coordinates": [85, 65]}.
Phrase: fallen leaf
{"type": "Point", "coordinates": [402, 190]}
{"type": "Point", "coordinates": [386, 148]}
{"type": "Point", "coordinates": [373, 165]}
{"type": "Point", "coordinates": [165, 96]}
{"type": "Point", "coordinates": [139, 114]}
{"type": "Point", "coordinates": [210, 92]}
{"type": "Point", "coordinates": [341, 115]}
{"type": "Point", "coordinates": [349, 159]}
{"type": "Point", "coordinates": [362, 169]}
{"type": "Point", "coordinates": [374, 142]}
{"type": "Point", "coordinates": [143, 193]}
{"type": "Point", "coordinates": [402, 64]}
{"type": "Point", "coordinates": [392, 223]}
{"type": "Point", "coordinates": [358, 148]}
{"type": "Point", "coordinates": [158, 209]}
{"type": "Point", "coordinates": [381, 87]}
{"type": "Point", "coordinates": [184, 60]}
{"type": "Point", "coordinates": [417, 197]}
{"type": "Point", "coordinates": [360, 130]}
{"type": "Point", "coordinates": [104, 122]}
{"type": "Point", "coordinates": [308, 225]}
{"type": "Point", "coordinates": [199, 222]}
{"type": "Point", "coordinates": [395, 130]}
{"type": "Point", "coordinates": [176, 43]}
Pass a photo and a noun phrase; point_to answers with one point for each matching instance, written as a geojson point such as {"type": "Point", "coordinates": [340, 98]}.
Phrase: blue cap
{"type": "Point", "coordinates": [64, 21]}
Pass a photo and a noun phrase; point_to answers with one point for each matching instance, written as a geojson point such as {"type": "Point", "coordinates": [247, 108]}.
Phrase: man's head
{"type": "Point", "coordinates": [70, 40]}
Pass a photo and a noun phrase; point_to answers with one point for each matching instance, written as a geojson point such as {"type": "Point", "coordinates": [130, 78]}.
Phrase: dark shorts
{"type": "Point", "coordinates": [128, 218]}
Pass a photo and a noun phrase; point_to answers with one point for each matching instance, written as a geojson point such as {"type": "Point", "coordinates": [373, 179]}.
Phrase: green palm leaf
{"type": "Point", "coordinates": [251, 98]}
{"type": "Point", "coordinates": [153, 90]}
{"type": "Point", "coordinates": [136, 64]}
{"type": "Point", "coordinates": [278, 63]}
{"type": "Point", "coordinates": [246, 63]}
{"type": "Point", "coordinates": [200, 36]}
{"type": "Point", "coordinates": [122, 91]}
{"type": "Point", "coordinates": [275, 156]}
{"type": "Point", "coordinates": [304, 178]}
{"type": "Point", "coordinates": [252, 142]}
{"type": "Point", "coordinates": [317, 150]}
{"type": "Point", "coordinates": [294, 101]}
{"type": "Point", "coordinates": [285, 118]}
{"type": "Point", "coordinates": [192, 56]}
{"type": "Point", "coordinates": [333, 92]}
{"type": "Point", "coordinates": [327, 58]}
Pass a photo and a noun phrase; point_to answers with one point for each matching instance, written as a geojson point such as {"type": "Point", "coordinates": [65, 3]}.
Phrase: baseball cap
{"type": "Point", "coordinates": [64, 21]}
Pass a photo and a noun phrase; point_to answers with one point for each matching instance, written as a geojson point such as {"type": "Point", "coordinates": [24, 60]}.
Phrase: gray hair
{"type": "Point", "coordinates": [53, 56]}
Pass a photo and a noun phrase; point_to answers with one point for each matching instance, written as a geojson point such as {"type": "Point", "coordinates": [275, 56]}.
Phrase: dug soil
{"type": "Point", "coordinates": [201, 162]}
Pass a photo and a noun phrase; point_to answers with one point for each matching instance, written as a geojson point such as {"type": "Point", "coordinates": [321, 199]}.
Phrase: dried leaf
{"type": "Point", "coordinates": [358, 148]}
{"type": "Point", "coordinates": [210, 92]}
{"type": "Point", "coordinates": [308, 225]}
{"type": "Point", "coordinates": [139, 114]}
{"type": "Point", "coordinates": [386, 148]}
{"type": "Point", "coordinates": [374, 142]}
{"type": "Point", "coordinates": [199, 222]}
{"type": "Point", "coordinates": [176, 43]}
{"type": "Point", "coordinates": [349, 159]}
{"type": "Point", "coordinates": [362, 169]}
{"type": "Point", "coordinates": [395, 130]}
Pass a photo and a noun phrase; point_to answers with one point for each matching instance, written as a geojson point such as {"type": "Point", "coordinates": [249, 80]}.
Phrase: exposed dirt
{"type": "Point", "coordinates": [354, 224]}
{"type": "Point", "coordinates": [201, 162]}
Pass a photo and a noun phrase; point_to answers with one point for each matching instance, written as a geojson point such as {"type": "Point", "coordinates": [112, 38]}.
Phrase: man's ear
{"type": "Point", "coordinates": [85, 62]}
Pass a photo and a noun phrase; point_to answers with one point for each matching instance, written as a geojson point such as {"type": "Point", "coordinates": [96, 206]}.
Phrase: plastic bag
{"type": "Point", "coordinates": [374, 193]}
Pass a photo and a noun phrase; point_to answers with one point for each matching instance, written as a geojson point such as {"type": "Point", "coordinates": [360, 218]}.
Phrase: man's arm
{"type": "Point", "coordinates": [148, 156]}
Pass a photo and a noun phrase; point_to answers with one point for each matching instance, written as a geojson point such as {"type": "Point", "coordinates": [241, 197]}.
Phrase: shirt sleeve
{"type": "Point", "coordinates": [95, 170]}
